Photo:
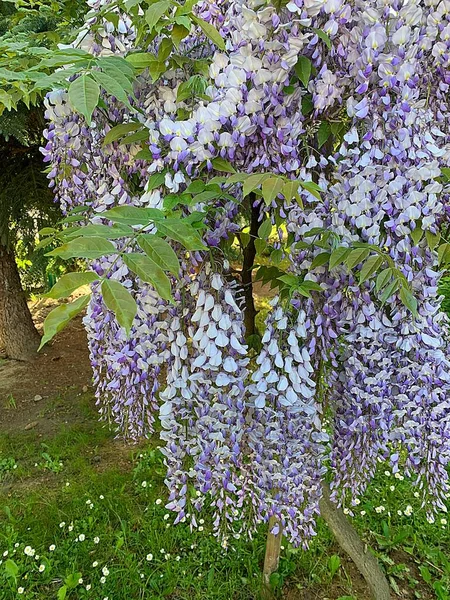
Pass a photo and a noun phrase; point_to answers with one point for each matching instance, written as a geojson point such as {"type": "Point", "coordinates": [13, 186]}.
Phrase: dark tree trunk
{"type": "Point", "coordinates": [247, 270]}
{"type": "Point", "coordinates": [18, 335]}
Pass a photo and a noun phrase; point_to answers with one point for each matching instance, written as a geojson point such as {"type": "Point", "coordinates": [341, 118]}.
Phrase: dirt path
{"type": "Point", "coordinates": [60, 372]}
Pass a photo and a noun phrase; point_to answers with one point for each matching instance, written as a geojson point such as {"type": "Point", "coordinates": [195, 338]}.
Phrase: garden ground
{"type": "Point", "coordinates": [82, 514]}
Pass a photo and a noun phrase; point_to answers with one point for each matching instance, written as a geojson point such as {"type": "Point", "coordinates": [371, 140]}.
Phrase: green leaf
{"type": "Point", "coordinates": [245, 239]}
{"type": "Point", "coordinates": [309, 285]}
{"type": "Point", "coordinates": [276, 256]}
{"type": "Point", "coordinates": [371, 266]}
{"type": "Point", "coordinates": [323, 133]}
{"type": "Point", "coordinates": [179, 32]}
{"type": "Point", "coordinates": [161, 252]}
{"type": "Point", "coordinates": [271, 187]}
{"type": "Point", "coordinates": [338, 256]}
{"type": "Point", "coordinates": [155, 181]}
{"type": "Point", "coordinates": [119, 131]}
{"type": "Point", "coordinates": [141, 60]}
{"type": "Point", "coordinates": [115, 232]}
{"type": "Point", "coordinates": [357, 256]}
{"type": "Point", "coordinates": [290, 191]}
{"type": "Point", "coordinates": [60, 316]}
{"type": "Point", "coordinates": [112, 86]}
{"type": "Point", "coordinates": [196, 187]}
{"type": "Point", "coordinates": [408, 300]}
{"type": "Point", "coordinates": [132, 215]}
{"type": "Point", "coordinates": [310, 187]}
{"type": "Point", "coordinates": [432, 239]}
{"type": "Point", "coordinates": [155, 12]}
{"type": "Point", "coordinates": [62, 593]}
{"type": "Point", "coordinates": [445, 172]}
{"type": "Point", "coordinates": [289, 280]}
{"type": "Point", "coordinates": [137, 136]}
{"type": "Point", "coordinates": [265, 229]}
{"type": "Point", "coordinates": [323, 36]}
{"type": "Point", "coordinates": [384, 277]}
{"type": "Point", "coordinates": [164, 49]}
{"type": "Point", "coordinates": [252, 182]}
{"type": "Point", "coordinates": [119, 300]}
{"type": "Point", "coordinates": [303, 69]}
{"type": "Point", "coordinates": [260, 245]}
{"type": "Point", "coordinates": [210, 31]}
{"type": "Point", "coordinates": [84, 93]}
{"type": "Point", "coordinates": [222, 165]}
{"type": "Point", "coordinates": [444, 254]}
{"type": "Point", "coordinates": [72, 580]}
{"type": "Point", "coordinates": [147, 270]}
{"type": "Point", "coordinates": [320, 259]}
{"type": "Point", "coordinates": [389, 291]}
{"type": "Point", "coordinates": [68, 283]}
{"type": "Point", "coordinates": [11, 569]}
{"type": "Point", "coordinates": [176, 230]}
{"type": "Point", "coordinates": [84, 247]}
{"type": "Point", "coordinates": [118, 68]}
{"type": "Point", "coordinates": [417, 235]}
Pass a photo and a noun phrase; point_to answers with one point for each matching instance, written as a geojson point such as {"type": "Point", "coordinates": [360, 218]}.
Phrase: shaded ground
{"type": "Point", "coordinates": [47, 409]}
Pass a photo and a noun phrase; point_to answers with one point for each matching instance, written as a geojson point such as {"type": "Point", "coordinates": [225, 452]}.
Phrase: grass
{"type": "Point", "coordinates": [73, 525]}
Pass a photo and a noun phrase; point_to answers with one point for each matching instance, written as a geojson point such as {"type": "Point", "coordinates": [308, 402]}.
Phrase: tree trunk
{"type": "Point", "coordinates": [247, 270]}
{"type": "Point", "coordinates": [18, 334]}
{"type": "Point", "coordinates": [351, 543]}
{"type": "Point", "coordinates": [272, 556]}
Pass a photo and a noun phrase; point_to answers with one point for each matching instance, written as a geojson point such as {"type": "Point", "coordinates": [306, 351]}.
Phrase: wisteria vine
{"type": "Point", "coordinates": [350, 96]}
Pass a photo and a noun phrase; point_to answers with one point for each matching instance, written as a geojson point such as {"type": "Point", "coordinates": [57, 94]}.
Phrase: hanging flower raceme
{"type": "Point", "coordinates": [352, 96]}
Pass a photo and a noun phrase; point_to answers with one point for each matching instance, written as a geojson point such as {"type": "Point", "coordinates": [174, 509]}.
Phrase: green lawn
{"type": "Point", "coordinates": [82, 516]}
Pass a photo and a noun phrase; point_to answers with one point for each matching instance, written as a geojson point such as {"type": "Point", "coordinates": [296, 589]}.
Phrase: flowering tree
{"type": "Point", "coordinates": [188, 128]}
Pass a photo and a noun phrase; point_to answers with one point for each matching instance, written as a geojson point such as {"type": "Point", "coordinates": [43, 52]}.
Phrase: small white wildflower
{"type": "Point", "coordinates": [36, 557]}
{"type": "Point", "coordinates": [95, 564]}
{"type": "Point", "coordinates": [178, 558]}
{"type": "Point", "coordinates": [399, 512]}
{"type": "Point", "coordinates": [166, 516]}
{"type": "Point", "coordinates": [356, 501]}
{"type": "Point", "coordinates": [62, 524]}
{"type": "Point", "coordinates": [102, 497]}
{"type": "Point", "coordinates": [387, 473]}
{"type": "Point", "coordinates": [41, 568]}
{"type": "Point", "coordinates": [399, 477]}
{"type": "Point", "coordinates": [70, 528]}
{"type": "Point", "coordinates": [200, 528]}
{"type": "Point", "coordinates": [88, 587]}
{"type": "Point", "coordinates": [392, 488]}
{"type": "Point", "coordinates": [67, 483]}
{"type": "Point", "coordinates": [52, 547]}
{"type": "Point", "coordinates": [202, 521]}
{"type": "Point", "coordinates": [105, 571]}
{"type": "Point", "coordinates": [443, 521]}
{"type": "Point", "coordinates": [142, 575]}
{"type": "Point", "coordinates": [362, 513]}
{"type": "Point", "coordinates": [88, 502]}
{"type": "Point", "coordinates": [408, 511]}
{"type": "Point", "coordinates": [144, 484]}
{"type": "Point", "coordinates": [167, 556]}
{"type": "Point", "coordinates": [149, 556]}
{"type": "Point", "coordinates": [162, 551]}
{"type": "Point", "coordinates": [81, 537]}
{"type": "Point", "coordinates": [16, 545]}
{"type": "Point", "coordinates": [379, 509]}
{"type": "Point", "coordinates": [416, 494]}
{"type": "Point", "coordinates": [158, 501]}
{"type": "Point", "coordinates": [29, 551]}
{"type": "Point", "coordinates": [20, 590]}
{"type": "Point", "coordinates": [102, 579]}
{"type": "Point", "coordinates": [5, 553]}
{"type": "Point", "coordinates": [346, 511]}
{"type": "Point", "coordinates": [96, 540]}
{"type": "Point", "coordinates": [80, 581]}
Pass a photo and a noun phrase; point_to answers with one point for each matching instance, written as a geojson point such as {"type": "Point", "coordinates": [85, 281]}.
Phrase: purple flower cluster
{"type": "Point", "coordinates": [251, 436]}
